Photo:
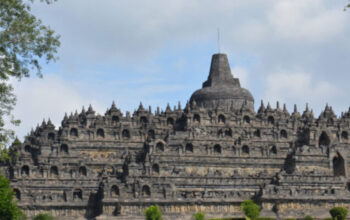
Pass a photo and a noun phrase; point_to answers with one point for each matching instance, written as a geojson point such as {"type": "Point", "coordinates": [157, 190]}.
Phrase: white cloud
{"type": "Point", "coordinates": [306, 20]}
{"type": "Point", "coordinates": [310, 34]}
{"type": "Point", "coordinates": [300, 87]}
{"type": "Point", "coordinates": [49, 97]}
{"type": "Point", "coordinates": [242, 74]}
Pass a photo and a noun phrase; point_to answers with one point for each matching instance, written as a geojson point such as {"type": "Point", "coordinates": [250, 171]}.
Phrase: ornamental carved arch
{"type": "Point", "coordinates": [324, 139]}
{"type": "Point", "coordinates": [100, 133]}
{"type": "Point", "coordinates": [114, 191]}
{"type": "Point", "coordinates": [54, 173]}
{"type": "Point", "coordinates": [17, 194]}
{"type": "Point", "coordinates": [344, 136]}
{"type": "Point", "coordinates": [159, 146]}
{"type": "Point", "coordinates": [77, 194]}
{"type": "Point", "coordinates": [221, 119]}
{"type": "Point", "coordinates": [146, 191]}
{"type": "Point", "coordinates": [126, 134]}
{"type": "Point", "coordinates": [25, 170]}
{"type": "Point", "coordinates": [82, 171]}
{"type": "Point", "coordinates": [338, 163]}
{"type": "Point", "coordinates": [73, 133]}
{"type": "Point", "coordinates": [189, 148]}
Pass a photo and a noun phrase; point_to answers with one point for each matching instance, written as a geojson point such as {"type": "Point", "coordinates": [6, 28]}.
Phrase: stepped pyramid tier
{"type": "Point", "coordinates": [210, 156]}
{"type": "Point", "coordinates": [222, 89]}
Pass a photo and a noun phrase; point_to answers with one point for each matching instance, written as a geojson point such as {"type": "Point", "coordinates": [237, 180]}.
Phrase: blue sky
{"type": "Point", "coordinates": [159, 52]}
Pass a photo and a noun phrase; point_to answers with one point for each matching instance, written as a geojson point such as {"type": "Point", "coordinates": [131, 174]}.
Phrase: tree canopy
{"type": "Point", "coordinates": [43, 216]}
{"type": "Point", "coordinates": [250, 209]}
{"type": "Point", "coordinates": [338, 213]}
{"type": "Point", "coordinates": [153, 213]}
{"type": "Point", "coordinates": [8, 207]}
{"type": "Point", "coordinates": [25, 42]}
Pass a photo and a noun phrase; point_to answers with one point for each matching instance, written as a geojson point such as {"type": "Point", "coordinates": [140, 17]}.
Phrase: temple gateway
{"type": "Point", "coordinates": [209, 156]}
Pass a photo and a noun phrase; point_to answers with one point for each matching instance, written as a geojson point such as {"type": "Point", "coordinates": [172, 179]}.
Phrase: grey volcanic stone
{"type": "Point", "coordinates": [221, 89]}
{"type": "Point", "coordinates": [209, 156]}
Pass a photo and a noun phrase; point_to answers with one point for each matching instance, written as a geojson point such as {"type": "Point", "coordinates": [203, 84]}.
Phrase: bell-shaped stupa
{"type": "Point", "coordinates": [222, 89]}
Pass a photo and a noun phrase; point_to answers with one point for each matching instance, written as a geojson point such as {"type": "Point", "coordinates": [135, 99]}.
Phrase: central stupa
{"type": "Point", "coordinates": [222, 89]}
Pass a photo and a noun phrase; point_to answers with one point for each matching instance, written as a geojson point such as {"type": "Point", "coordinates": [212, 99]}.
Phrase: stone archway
{"type": "Point", "coordinates": [324, 140]}
{"type": "Point", "coordinates": [146, 191]}
{"type": "Point", "coordinates": [338, 165]}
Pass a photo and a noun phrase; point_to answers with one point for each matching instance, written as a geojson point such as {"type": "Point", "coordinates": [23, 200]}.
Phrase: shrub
{"type": "Point", "coordinates": [308, 217]}
{"type": "Point", "coordinates": [153, 213]}
{"type": "Point", "coordinates": [199, 216]}
{"type": "Point", "coordinates": [43, 216]}
{"type": "Point", "coordinates": [8, 206]}
{"type": "Point", "coordinates": [250, 209]}
{"type": "Point", "coordinates": [338, 213]}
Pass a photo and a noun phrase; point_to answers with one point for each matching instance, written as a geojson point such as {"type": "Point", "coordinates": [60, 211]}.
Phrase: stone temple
{"type": "Point", "coordinates": [209, 156]}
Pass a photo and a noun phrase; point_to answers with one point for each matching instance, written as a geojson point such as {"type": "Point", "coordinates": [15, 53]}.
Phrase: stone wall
{"type": "Point", "coordinates": [185, 160]}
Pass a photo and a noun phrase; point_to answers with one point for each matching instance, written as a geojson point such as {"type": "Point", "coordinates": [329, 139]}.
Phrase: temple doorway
{"type": "Point", "coordinates": [338, 165]}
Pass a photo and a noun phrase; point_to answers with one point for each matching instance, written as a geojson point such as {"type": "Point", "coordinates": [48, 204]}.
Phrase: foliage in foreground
{"type": "Point", "coordinates": [199, 216]}
{"type": "Point", "coordinates": [8, 207]}
{"type": "Point", "coordinates": [7, 155]}
{"type": "Point", "coordinates": [43, 216]}
{"type": "Point", "coordinates": [250, 209]}
{"type": "Point", "coordinates": [308, 217]}
{"type": "Point", "coordinates": [24, 43]}
{"type": "Point", "coordinates": [338, 213]}
{"type": "Point", "coordinates": [153, 213]}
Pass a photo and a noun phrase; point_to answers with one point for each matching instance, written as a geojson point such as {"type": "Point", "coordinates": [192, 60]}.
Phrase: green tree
{"type": "Point", "coordinates": [8, 207]}
{"type": "Point", "coordinates": [250, 209]}
{"type": "Point", "coordinates": [153, 213]}
{"type": "Point", "coordinates": [7, 155]}
{"type": "Point", "coordinates": [43, 216]}
{"type": "Point", "coordinates": [308, 217]}
{"type": "Point", "coordinates": [24, 44]}
{"type": "Point", "coordinates": [338, 213]}
{"type": "Point", "coordinates": [199, 216]}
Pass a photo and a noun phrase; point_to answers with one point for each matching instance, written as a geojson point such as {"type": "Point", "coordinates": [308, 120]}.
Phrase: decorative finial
{"type": "Point", "coordinates": [141, 107]}
{"type": "Point", "coordinates": [65, 116]}
{"type": "Point", "coordinates": [168, 109]}
{"type": "Point", "coordinates": [295, 108]}
{"type": "Point", "coordinates": [43, 124]}
{"type": "Point", "coordinates": [83, 110]}
{"type": "Point", "coordinates": [262, 107]}
{"type": "Point", "coordinates": [90, 110]}
{"type": "Point", "coordinates": [268, 106]}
